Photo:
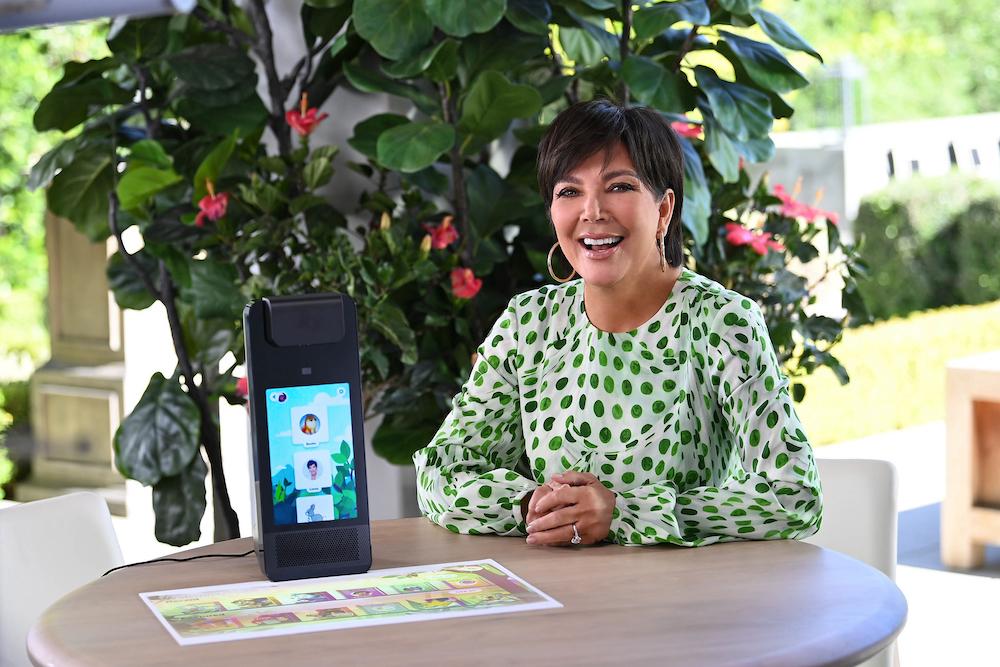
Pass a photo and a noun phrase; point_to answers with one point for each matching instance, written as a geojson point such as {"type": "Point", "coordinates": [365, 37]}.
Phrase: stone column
{"type": "Point", "coordinates": [77, 396]}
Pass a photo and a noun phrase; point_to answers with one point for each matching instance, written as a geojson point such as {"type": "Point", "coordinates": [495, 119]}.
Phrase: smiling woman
{"type": "Point", "coordinates": [646, 399]}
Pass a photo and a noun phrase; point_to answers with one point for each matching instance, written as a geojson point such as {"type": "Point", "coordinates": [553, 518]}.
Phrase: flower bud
{"type": "Point", "coordinates": [425, 245]}
{"type": "Point", "coordinates": [385, 222]}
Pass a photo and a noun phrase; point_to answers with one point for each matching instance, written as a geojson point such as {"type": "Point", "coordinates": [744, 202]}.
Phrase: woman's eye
{"type": "Point", "coordinates": [627, 186]}
{"type": "Point", "coordinates": [564, 191]}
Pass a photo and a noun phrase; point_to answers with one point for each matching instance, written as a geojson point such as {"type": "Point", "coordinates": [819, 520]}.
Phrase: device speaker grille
{"type": "Point", "coordinates": [317, 547]}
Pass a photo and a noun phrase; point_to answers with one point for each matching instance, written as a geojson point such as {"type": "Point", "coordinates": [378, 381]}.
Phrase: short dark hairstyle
{"type": "Point", "coordinates": [311, 463]}
{"type": "Point", "coordinates": [584, 128]}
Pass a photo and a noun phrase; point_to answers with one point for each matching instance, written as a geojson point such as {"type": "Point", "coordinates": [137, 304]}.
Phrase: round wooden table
{"type": "Point", "coordinates": [768, 603]}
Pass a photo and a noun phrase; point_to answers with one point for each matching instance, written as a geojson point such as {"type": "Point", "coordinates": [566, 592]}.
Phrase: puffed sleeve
{"type": "Point", "coordinates": [465, 477]}
{"type": "Point", "coordinates": [772, 489]}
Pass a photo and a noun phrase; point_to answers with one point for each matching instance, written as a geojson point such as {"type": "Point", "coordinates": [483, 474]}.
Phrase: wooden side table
{"type": "Point", "coordinates": [970, 515]}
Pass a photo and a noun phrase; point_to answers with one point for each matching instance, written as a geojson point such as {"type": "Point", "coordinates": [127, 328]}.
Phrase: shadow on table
{"type": "Point", "coordinates": [920, 543]}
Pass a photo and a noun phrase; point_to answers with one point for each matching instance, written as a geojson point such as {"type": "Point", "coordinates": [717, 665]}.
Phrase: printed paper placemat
{"type": "Point", "coordinates": [400, 595]}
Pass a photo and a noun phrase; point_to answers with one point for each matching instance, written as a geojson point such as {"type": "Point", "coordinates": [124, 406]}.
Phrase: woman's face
{"type": "Point", "coordinates": [618, 216]}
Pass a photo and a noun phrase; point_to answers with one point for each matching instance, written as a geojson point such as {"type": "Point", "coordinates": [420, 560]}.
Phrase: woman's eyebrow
{"type": "Point", "coordinates": [607, 176]}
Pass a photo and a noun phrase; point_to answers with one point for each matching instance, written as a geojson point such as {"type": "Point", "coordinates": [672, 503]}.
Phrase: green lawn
{"type": "Point", "coordinates": [897, 372]}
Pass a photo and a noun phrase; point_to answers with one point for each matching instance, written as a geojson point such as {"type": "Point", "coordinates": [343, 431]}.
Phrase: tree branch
{"type": "Point", "coordinates": [263, 46]}
{"type": "Point", "coordinates": [623, 50]}
{"type": "Point", "coordinates": [235, 34]}
{"type": "Point", "coordinates": [686, 46]}
{"type": "Point", "coordinates": [459, 201]}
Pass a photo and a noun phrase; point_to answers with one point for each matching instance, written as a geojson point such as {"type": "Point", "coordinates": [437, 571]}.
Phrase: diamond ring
{"type": "Point", "coordinates": [576, 536]}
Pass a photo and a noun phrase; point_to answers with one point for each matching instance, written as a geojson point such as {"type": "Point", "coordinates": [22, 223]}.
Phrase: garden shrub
{"type": "Point", "coordinates": [978, 251]}
{"type": "Point", "coordinates": [911, 233]}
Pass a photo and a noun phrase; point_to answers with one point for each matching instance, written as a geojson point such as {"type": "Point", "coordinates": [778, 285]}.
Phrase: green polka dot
{"type": "Point", "coordinates": [485, 491]}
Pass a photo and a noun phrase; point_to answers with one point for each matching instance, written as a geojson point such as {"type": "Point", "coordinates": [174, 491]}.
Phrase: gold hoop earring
{"type": "Point", "coordinates": [661, 242]}
{"type": "Point", "coordinates": [551, 273]}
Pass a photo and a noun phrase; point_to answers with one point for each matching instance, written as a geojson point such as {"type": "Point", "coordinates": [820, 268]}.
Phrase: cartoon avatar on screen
{"type": "Point", "coordinates": [309, 424]}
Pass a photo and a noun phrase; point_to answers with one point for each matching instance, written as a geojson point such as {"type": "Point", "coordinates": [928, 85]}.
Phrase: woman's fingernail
{"type": "Point", "coordinates": [531, 539]}
{"type": "Point", "coordinates": [530, 525]}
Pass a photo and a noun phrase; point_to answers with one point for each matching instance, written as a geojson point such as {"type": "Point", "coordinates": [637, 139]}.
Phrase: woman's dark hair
{"type": "Point", "coordinates": [585, 128]}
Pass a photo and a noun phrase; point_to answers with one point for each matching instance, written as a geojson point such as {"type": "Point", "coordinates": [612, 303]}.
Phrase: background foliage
{"type": "Point", "coordinates": [923, 58]}
{"type": "Point", "coordinates": [930, 242]}
{"type": "Point", "coordinates": [31, 64]}
{"type": "Point", "coordinates": [170, 145]}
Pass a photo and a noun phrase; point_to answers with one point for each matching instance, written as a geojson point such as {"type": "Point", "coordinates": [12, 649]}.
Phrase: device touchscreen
{"type": "Point", "coordinates": [311, 442]}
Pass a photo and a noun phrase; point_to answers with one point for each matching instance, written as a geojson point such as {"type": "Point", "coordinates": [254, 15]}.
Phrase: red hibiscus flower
{"type": "Point", "coordinates": [442, 235]}
{"type": "Point", "coordinates": [464, 283]}
{"type": "Point", "coordinates": [738, 234]}
{"type": "Point", "coordinates": [689, 130]}
{"type": "Point", "coordinates": [212, 206]}
{"type": "Point", "coordinates": [795, 209]}
{"type": "Point", "coordinates": [759, 242]}
{"type": "Point", "coordinates": [304, 120]}
{"type": "Point", "coordinates": [242, 388]}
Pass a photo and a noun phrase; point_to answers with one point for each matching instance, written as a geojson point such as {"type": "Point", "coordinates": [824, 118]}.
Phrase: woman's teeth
{"type": "Point", "coordinates": [596, 243]}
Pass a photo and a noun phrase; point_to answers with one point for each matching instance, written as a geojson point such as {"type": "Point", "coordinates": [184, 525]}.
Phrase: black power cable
{"type": "Point", "coordinates": [178, 560]}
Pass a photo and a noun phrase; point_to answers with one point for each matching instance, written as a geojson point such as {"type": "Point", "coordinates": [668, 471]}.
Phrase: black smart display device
{"type": "Point", "coordinates": [310, 509]}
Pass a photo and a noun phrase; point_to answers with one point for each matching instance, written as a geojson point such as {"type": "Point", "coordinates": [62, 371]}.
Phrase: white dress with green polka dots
{"type": "Point", "coordinates": [687, 419]}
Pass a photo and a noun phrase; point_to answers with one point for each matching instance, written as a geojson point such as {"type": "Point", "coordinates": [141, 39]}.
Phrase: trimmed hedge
{"type": "Point", "coordinates": [897, 372]}
{"type": "Point", "coordinates": [919, 235]}
{"type": "Point", "coordinates": [978, 252]}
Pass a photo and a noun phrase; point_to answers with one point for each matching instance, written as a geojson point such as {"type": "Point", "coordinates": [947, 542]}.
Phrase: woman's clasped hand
{"type": "Point", "coordinates": [568, 499]}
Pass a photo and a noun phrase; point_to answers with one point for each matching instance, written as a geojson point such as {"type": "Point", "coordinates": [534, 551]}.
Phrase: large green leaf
{"type": "Point", "coordinates": [317, 172]}
{"type": "Point", "coordinates": [651, 20]}
{"type": "Point", "coordinates": [59, 157]}
{"type": "Point", "coordinates": [782, 33]}
{"type": "Point", "coordinates": [697, 196]}
{"type": "Point", "coordinates": [389, 320]}
{"type": "Point", "coordinates": [367, 132]}
{"type": "Point", "coordinates": [179, 504]}
{"type": "Point", "coordinates": [502, 49]}
{"type": "Point", "coordinates": [721, 150]}
{"type": "Point", "coordinates": [397, 438]}
{"type": "Point", "coordinates": [138, 184]}
{"type": "Point", "coordinates": [758, 149]}
{"type": "Point", "coordinates": [139, 38]}
{"type": "Point", "coordinates": [654, 85]}
{"type": "Point", "coordinates": [324, 22]}
{"type": "Point", "coordinates": [215, 291]}
{"type": "Point", "coordinates": [396, 29]}
{"type": "Point", "coordinates": [246, 117]}
{"type": "Point", "coordinates": [123, 280]}
{"type": "Point", "coordinates": [530, 15]}
{"type": "Point", "coordinates": [484, 188]}
{"type": "Point", "coordinates": [764, 63]}
{"type": "Point", "coordinates": [149, 153]}
{"type": "Point", "coordinates": [66, 106]}
{"type": "Point", "coordinates": [744, 111]}
{"type": "Point", "coordinates": [740, 7]}
{"type": "Point", "coordinates": [413, 146]}
{"type": "Point", "coordinates": [411, 67]}
{"type": "Point", "coordinates": [212, 165]}
{"type": "Point", "coordinates": [461, 18]}
{"type": "Point", "coordinates": [369, 81]}
{"type": "Point", "coordinates": [492, 102]}
{"type": "Point", "coordinates": [210, 67]}
{"type": "Point", "coordinates": [207, 341]}
{"type": "Point", "coordinates": [160, 436]}
{"type": "Point", "coordinates": [80, 191]}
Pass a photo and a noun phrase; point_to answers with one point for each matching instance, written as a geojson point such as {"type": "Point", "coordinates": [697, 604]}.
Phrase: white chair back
{"type": "Point", "coordinates": [859, 518]}
{"type": "Point", "coordinates": [47, 549]}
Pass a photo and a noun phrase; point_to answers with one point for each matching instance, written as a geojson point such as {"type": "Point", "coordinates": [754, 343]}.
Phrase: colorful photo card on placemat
{"type": "Point", "coordinates": [418, 593]}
